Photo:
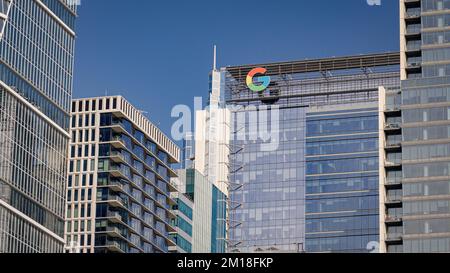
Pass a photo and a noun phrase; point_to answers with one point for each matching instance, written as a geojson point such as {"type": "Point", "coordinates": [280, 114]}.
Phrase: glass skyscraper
{"type": "Point", "coordinates": [36, 71]}
{"type": "Point", "coordinates": [417, 201]}
{"type": "Point", "coordinates": [119, 186]}
{"type": "Point", "coordinates": [312, 186]}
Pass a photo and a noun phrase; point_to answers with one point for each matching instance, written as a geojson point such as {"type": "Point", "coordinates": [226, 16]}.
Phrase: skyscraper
{"type": "Point", "coordinates": [36, 70]}
{"type": "Point", "coordinates": [304, 153]}
{"type": "Point", "coordinates": [203, 176]}
{"type": "Point", "coordinates": [416, 186]}
{"type": "Point", "coordinates": [207, 179]}
{"type": "Point", "coordinates": [119, 185]}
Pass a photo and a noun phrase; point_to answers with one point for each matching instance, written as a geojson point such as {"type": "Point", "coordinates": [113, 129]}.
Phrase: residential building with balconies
{"type": "Point", "coordinates": [119, 185]}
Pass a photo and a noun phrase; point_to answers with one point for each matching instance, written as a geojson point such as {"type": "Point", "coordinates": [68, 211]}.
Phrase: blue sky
{"type": "Point", "coordinates": [158, 53]}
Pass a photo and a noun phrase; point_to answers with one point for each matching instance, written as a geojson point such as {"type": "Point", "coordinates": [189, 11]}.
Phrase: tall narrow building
{"type": "Point", "coordinates": [417, 185]}
{"type": "Point", "coordinates": [36, 70]}
{"type": "Point", "coordinates": [184, 220]}
{"type": "Point", "coordinates": [207, 179]}
{"type": "Point", "coordinates": [119, 185]}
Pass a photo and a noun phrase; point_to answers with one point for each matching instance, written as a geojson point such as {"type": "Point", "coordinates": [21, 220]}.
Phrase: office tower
{"type": "Point", "coordinates": [209, 212]}
{"type": "Point", "coordinates": [304, 155]}
{"type": "Point", "coordinates": [417, 205]}
{"type": "Point", "coordinates": [188, 151]}
{"type": "Point", "coordinates": [207, 181]}
{"type": "Point", "coordinates": [184, 211]}
{"type": "Point", "coordinates": [118, 191]}
{"type": "Point", "coordinates": [212, 132]}
{"type": "Point", "coordinates": [36, 70]}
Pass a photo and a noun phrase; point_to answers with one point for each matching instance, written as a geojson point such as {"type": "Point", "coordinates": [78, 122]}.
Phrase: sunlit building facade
{"type": "Point", "coordinates": [119, 185]}
{"type": "Point", "coordinates": [416, 196]}
{"type": "Point", "coordinates": [36, 71]}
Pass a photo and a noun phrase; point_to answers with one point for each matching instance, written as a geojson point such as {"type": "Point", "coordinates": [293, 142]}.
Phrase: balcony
{"type": "Point", "coordinates": [393, 201]}
{"type": "Point", "coordinates": [413, 48]}
{"type": "Point", "coordinates": [117, 157]}
{"type": "Point", "coordinates": [413, 30]}
{"type": "Point", "coordinates": [148, 219]}
{"type": "Point", "coordinates": [114, 231]}
{"type": "Point", "coordinates": [394, 238]}
{"type": "Point", "coordinates": [162, 200]}
{"type": "Point", "coordinates": [114, 246]}
{"type": "Point", "coordinates": [163, 186]}
{"type": "Point", "coordinates": [393, 164]}
{"type": "Point", "coordinates": [393, 220]}
{"type": "Point", "coordinates": [162, 214]}
{"type": "Point", "coordinates": [393, 146]}
{"type": "Point", "coordinates": [161, 243]}
{"type": "Point", "coordinates": [149, 205]}
{"type": "Point", "coordinates": [115, 201]}
{"type": "Point", "coordinates": [392, 127]}
{"type": "Point", "coordinates": [120, 171]}
{"type": "Point", "coordinates": [116, 186]}
{"type": "Point", "coordinates": [414, 65]}
{"type": "Point", "coordinates": [115, 216]}
{"type": "Point", "coordinates": [412, 3]}
{"type": "Point", "coordinates": [118, 142]}
{"type": "Point", "coordinates": [150, 190]}
{"type": "Point", "coordinates": [393, 183]}
{"type": "Point", "coordinates": [392, 109]}
{"type": "Point", "coordinates": [413, 15]}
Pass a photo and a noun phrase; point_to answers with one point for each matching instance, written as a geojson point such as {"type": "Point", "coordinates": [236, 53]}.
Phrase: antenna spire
{"type": "Point", "coordinates": [215, 58]}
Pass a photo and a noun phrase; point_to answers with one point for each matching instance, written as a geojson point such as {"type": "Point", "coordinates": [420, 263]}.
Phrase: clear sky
{"type": "Point", "coordinates": [158, 53]}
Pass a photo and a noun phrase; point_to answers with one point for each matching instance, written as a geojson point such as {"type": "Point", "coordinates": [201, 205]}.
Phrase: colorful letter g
{"type": "Point", "coordinates": [258, 84]}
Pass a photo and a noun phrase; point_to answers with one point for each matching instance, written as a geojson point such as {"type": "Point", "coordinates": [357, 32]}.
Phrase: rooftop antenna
{"type": "Point", "coordinates": [215, 58]}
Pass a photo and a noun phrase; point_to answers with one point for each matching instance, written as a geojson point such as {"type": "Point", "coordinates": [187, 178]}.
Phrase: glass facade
{"type": "Point", "coordinates": [218, 221]}
{"type": "Point", "coordinates": [188, 154]}
{"type": "Point", "coordinates": [342, 180]}
{"type": "Point", "coordinates": [316, 188]}
{"type": "Point", "coordinates": [36, 70]}
{"type": "Point", "coordinates": [208, 213]}
{"type": "Point", "coordinates": [184, 224]}
{"type": "Point", "coordinates": [273, 192]}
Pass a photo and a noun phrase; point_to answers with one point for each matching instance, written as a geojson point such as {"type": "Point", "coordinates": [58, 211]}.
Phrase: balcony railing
{"type": "Point", "coordinates": [115, 215]}
{"type": "Point", "coordinates": [393, 199]}
{"type": "Point", "coordinates": [116, 199]}
{"type": "Point", "coordinates": [392, 181]}
{"type": "Point", "coordinates": [115, 230]}
{"type": "Point", "coordinates": [394, 236]}
{"type": "Point", "coordinates": [392, 126]}
{"type": "Point", "coordinates": [393, 219]}
{"type": "Point", "coordinates": [413, 13]}
{"type": "Point", "coordinates": [413, 29]}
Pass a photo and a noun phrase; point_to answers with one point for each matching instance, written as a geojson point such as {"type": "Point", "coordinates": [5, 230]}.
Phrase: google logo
{"type": "Point", "coordinates": [258, 84]}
